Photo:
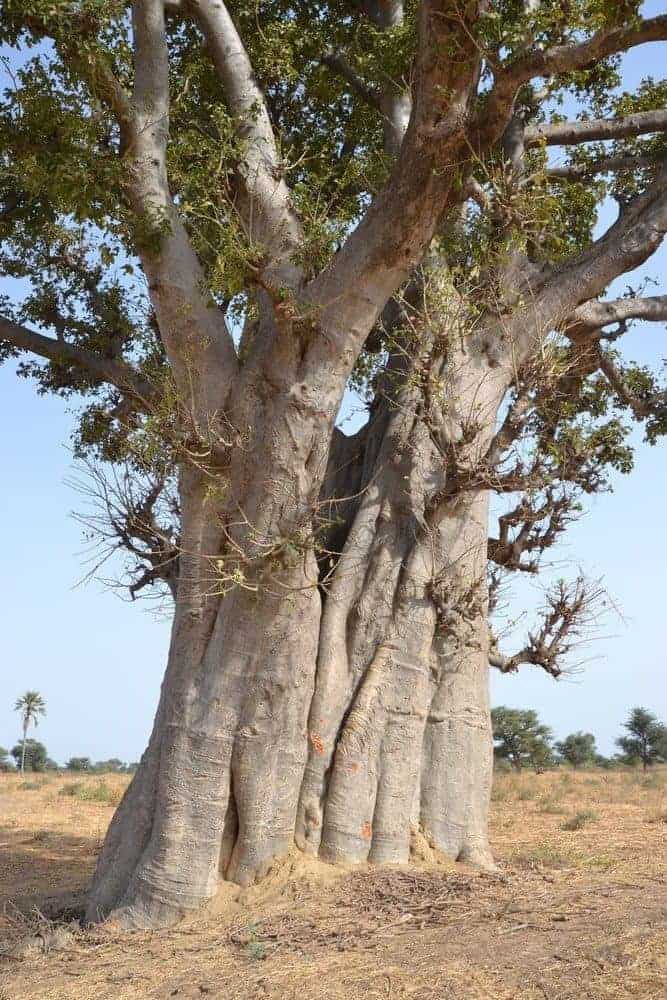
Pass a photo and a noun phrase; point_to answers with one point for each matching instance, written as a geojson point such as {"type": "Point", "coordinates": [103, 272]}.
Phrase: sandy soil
{"type": "Point", "coordinates": [573, 913]}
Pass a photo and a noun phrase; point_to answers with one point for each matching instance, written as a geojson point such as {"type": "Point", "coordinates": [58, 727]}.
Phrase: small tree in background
{"type": "Point", "coordinates": [578, 749]}
{"type": "Point", "coordinates": [521, 738]}
{"type": "Point", "coordinates": [30, 755]}
{"type": "Point", "coordinates": [30, 706]}
{"type": "Point", "coordinates": [79, 764]}
{"type": "Point", "coordinates": [5, 763]}
{"type": "Point", "coordinates": [111, 766]}
{"type": "Point", "coordinates": [647, 739]}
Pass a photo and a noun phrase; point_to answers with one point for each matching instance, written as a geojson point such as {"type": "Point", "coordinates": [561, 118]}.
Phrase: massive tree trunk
{"type": "Point", "coordinates": [335, 700]}
{"type": "Point", "coordinates": [344, 710]}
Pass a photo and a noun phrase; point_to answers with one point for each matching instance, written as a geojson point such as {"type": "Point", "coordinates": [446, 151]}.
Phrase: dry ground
{"type": "Point", "coordinates": [575, 913]}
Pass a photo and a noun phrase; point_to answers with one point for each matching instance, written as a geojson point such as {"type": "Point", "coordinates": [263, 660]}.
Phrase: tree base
{"type": "Point", "coordinates": [295, 868]}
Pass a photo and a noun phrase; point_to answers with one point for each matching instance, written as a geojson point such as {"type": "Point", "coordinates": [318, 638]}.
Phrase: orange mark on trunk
{"type": "Point", "coordinates": [318, 742]}
{"type": "Point", "coordinates": [367, 831]}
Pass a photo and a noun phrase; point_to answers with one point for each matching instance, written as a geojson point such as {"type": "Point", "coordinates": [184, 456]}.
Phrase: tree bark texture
{"type": "Point", "coordinates": [343, 711]}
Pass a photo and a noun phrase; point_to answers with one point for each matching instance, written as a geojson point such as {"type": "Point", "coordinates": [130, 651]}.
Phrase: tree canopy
{"type": "Point", "coordinates": [520, 737]}
{"type": "Point", "coordinates": [35, 755]}
{"type": "Point", "coordinates": [219, 217]}
{"type": "Point", "coordinates": [321, 105]}
{"type": "Point", "coordinates": [79, 764]}
{"type": "Point", "coordinates": [578, 749]}
{"type": "Point", "coordinates": [646, 740]}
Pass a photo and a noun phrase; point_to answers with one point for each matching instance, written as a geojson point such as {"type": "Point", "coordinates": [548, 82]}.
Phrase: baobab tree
{"type": "Point", "coordinates": [29, 706]}
{"type": "Point", "coordinates": [227, 214]}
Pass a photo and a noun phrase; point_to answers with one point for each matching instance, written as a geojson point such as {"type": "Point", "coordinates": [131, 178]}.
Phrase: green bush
{"type": "Point", "coordinates": [580, 819]}
{"type": "Point", "coordinates": [92, 791]}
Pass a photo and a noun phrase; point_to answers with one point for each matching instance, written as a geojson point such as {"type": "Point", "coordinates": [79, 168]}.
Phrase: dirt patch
{"type": "Point", "coordinates": [573, 913]}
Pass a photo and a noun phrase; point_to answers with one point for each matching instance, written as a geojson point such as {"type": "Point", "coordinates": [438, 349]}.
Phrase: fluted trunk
{"type": "Point", "coordinates": [344, 709]}
{"type": "Point", "coordinates": [243, 761]}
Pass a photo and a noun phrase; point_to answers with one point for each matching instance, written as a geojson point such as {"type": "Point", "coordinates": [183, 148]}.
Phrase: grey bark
{"type": "Point", "coordinates": [339, 722]}
{"type": "Point", "coordinates": [457, 755]}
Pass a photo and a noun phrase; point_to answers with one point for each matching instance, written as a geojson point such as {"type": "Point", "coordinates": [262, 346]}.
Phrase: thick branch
{"type": "Point", "coordinates": [592, 316]}
{"type": "Point", "coordinates": [99, 368]}
{"type": "Point", "coordinates": [572, 133]}
{"type": "Point", "coordinates": [636, 234]}
{"type": "Point", "coordinates": [386, 247]}
{"type": "Point", "coordinates": [554, 61]}
{"type": "Point", "coordinates": [198, 344]}
{"type": "Point", "coordinates": [268, 214]}
{"type": "Point", "coordinates": [603, 165]}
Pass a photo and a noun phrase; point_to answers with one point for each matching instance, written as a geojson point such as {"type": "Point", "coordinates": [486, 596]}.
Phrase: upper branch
{"type": "Point", "coordinates": [602, 165]}
{"type": "Point", "coordinates": [641, 406]}
{"type": "Point", "coordinates": [337, 61]}
{"type": "Point", "coordinates": [572, 133]}
{"type": "Point", "coordinates": [636, 234]}
{"type": "Point", "coordinates": [99, 368]}
{"type": "Point", "coordinates": [592, 316]}
{"type": "Point", "coordinates": [193, 329]}
{"type": "Point", "coordinates": [554, 61]}
{"type": "Point", "coordinates": [390, 240]}
{"type": "Point", "coordinates": [267, 213]}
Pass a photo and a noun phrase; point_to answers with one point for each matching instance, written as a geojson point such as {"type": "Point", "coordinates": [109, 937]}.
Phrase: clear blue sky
{"type": "Point", "coordinates": [98, 661]}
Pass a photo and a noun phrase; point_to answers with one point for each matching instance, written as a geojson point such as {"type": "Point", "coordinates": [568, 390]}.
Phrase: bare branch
{"type": "Point", "coordinates": [572, 133]}
{"type": "Point", "coordinates": [99, 368]}
{"type": "Point", "coordinates": [570, 612]}
{"type": "Point", "coordinates": [269, 216]}
{"type": "Point", "coordinates": [533, 526]}
{"type": "Point", "coordinates": [139, 515]}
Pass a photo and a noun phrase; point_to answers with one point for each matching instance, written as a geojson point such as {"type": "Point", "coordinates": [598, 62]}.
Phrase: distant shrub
{"type": "Point", "coordinates": [79, 764]}
{"type": "Point", "coordinates": [550, 804]}
{"type": "Point", "coordinates": [35, 755]}
{"type": "Point", "coordinates": [92, 791]}
{"type": "Point", "coordinates": [543, 854]}
{"type": "Point", "coordinates": [580, 819]}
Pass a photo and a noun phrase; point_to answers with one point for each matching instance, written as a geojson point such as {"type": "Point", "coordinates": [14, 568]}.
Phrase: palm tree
{"type": "Point", "coordinates": [31, 705]}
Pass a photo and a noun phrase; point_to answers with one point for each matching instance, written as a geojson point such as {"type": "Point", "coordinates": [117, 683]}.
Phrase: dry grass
{"type": "Point", "coordinates": [577, 912]}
